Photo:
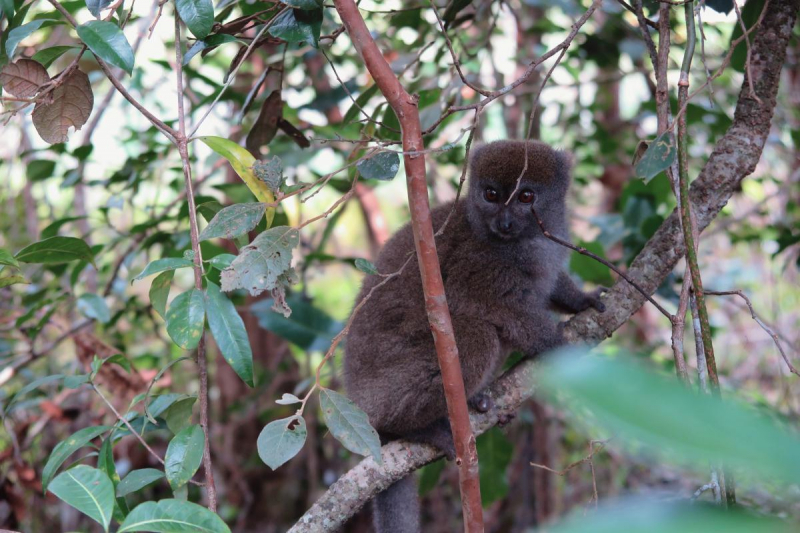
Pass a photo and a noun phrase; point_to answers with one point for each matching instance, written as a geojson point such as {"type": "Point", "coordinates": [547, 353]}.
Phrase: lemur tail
{"type": "Point", "coordinates": [396, 510]}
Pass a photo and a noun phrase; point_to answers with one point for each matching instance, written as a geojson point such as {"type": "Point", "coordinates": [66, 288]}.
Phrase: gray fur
{"type": "Point", "coordinates": [500, 288]}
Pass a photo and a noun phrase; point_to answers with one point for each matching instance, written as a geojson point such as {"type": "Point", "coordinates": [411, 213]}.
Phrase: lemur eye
{"type": "Point", "coordinates": [526, 197]}
{"type": "Point", "coordinates": [490, 195]}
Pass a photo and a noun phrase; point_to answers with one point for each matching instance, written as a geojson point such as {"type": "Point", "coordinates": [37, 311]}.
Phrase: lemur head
{"type": "Point", "coordinates": [495, 169]}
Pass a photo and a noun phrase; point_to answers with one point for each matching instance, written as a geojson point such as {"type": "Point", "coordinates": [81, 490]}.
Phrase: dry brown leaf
{"type": "Point", "coordinates": [23, 78]}
{"type": "Point", "coordinates": [266, 125]}
{"type": "Point", "coordinates": [71, 106]}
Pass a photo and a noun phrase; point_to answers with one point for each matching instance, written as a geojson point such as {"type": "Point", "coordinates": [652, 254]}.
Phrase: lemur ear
{"type": "Point", "coordinates": [475, 152]}
{"type": "Point", "coordinates": [566, 161]}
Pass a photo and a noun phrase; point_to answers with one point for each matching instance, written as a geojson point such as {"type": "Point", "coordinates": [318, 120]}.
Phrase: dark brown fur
{"type": "Point", "coordinates": [500, 287]}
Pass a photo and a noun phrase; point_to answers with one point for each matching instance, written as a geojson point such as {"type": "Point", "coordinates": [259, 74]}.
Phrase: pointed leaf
{"type": "Point", "coordinates": [96, 6]}
{"type": "Point", "coordinates": [159, 291]}
{"type": "Point", "coordinates": [138, 479]}
{"type": "Point", "coordinates": [7, 259]}
{"type": "Point", "coordinates": [35, 384]}
{"type": "Point", "coordinates": [88, 490]}
{"type": "Point", "coordinates": [298, 25]}
{"type": "Point", "coordinates": [349, 424]}
{"type": "Point", "coordinates": [233, 221]}
{"type": "Point", "coordinates": [221, 261]}
{"type": "Point", "coordinates": [56, 250]}
{"type": "Point", "coordinates": [94, 306]}
{"type": "Point", "coordinates": [161, 265]}
{"type": "Point", "coordinates": [229, 332]}
{"type": "Point", "coordinates": [70, 107]}
{"type": "Point", "coordinates": [658, 157]}
{"type": "Point", "coordinates": [173, 516]}
{"type": "Point", "coordinates": [109, 43]}
{"type": "Point", "coordinates": [365, 266]}
{"type": "Point", "coordinates": [16, 35]}
{"type": "Point", "coordinates": [7, 281]}
{"type": "Point", "coordinates": [280, 440]}
{"type": "Point", "coordinates": [184, 455]}
{"type": "Point", "coordinates": [260, 265]}
{"type": "Point", "coordinates": [179, 414]}
{"type": "Point", "coordinates": [198, 15]}
{"type": "Point", "coordinates": [185, 319]}
{"type": "Point", "coordinates": [46, 56]}
{"type": "Point", "coordinates": [64, 449]}
{"type": "Point", "coordinates": [288, 399]}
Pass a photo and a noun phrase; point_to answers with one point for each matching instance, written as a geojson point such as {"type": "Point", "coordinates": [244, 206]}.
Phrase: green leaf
{"type": "Point", "coordinates": [221, 261]}
{"type": "Point", "coordinates": [233, 221]}
{"type": "Point", "coordinates": [88, 490]}
{"type": "Point", "coordinates": [211, 41]}
{"type": "Point", "coordinates": [161, 265]}
{"type": "Point", "coordinates": [35, 384]}
{"type": "Point", "coordinates": [229, 332]}
{"type": "Point", "coordinates": [381, 166]}
{"type": "Point", "coordinates": [750, 13]}
{"type": "Point", "coordinates": [305, 4]}
{"type": "Point", "coordinates": [349, 424]}
{"type": "Point", "coordinates": [52, 229]}
{"type": "Point", "coordinates": [298, 25]}
{"type": "Point", "coordinates": [173, 516]}
{"type": "Point", "coordinates": [270, 172]}
{"type": "Point", "coordinates": [365, 266]}
{"type": "Point", "coordinates": [264, 264]}
{"type": "Point", "coordinates": [640, 405]}
{"type": "Point", "coordinates": [360, 102]}
{"type": "Point", "coordinates": [7, 8]}
{"type": "Point", "coordinates": [19, 33]}
{"type": "Point", "coordinates": [308, 327]}
{"type": "Point", "coordinates": [96, 6]}
{"type": "Point", "coordinates": [281, 440]}
{"type": "Point", "coordinates": [185, 319]}
{"type": "Point", "coordinates": [137, 480]}
{"type": "Point", "coordinates": [637, 515]}
{"type": "Point", "coordinates": [73, 382]}
{"type": "Point", "coordinates": [7, 281]}
{"type": "Point", "coordinates": [7, 259]}
{"type": "Point", "coordinates": [242, 162]}
{"type": "Point", "coordinates": [109, 43]}
{"type": "Point", "coordinates": [56, 250]}
{"type": "Point", "coordinates": [94, 306]}
{"type": "Point", "coordinates": [429, 476]}
{"type": "Point", "coordinates": [159, 291]}
{"type": "Point", "coordinates": [288, 399]}
{"type": "Point", "coordinates": [64, 449]}
{"type": "Point", "coordinates": [198, 16]}
{"type": "Point", "coordinates": [163, 402]}
{"type": "Point", "coordinates": [495, 451]}
{"type": "Point", "coordinates": [587, 268]}
{"type": "Point", "coordinates": [184, 455]}
{"type": "Point", "coordinates": [658, 157]}
{"type": "Point", "coordinates": [39, 169]}
{"type": "Point", "coordinates": [47, 56]}
{"type": "Point", "coordinates": [179, 414]}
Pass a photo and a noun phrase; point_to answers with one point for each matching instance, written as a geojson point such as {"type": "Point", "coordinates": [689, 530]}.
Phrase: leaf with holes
{"type": "Point", "coordinates": [107, 41]}
{"type": "Point", "coordinates": [67, 447]}
{"type": "Point", "coordinates": [233, 221]}
{"type": "Point", "coordinates": [173, 516]}
{"type": "Point", "coordinates": [198, 16]}
{"type": "Point", "coordinates": [70, 107]}
{"type": "Point", "coordinates": [242, 162]}
{"type": "Point", "coordinates": [264, 264]}
{"type": "Point", "coordinates": [23, 78]}
{"type": "Point", "coordinates": [280, 440]}
{"type": "Point", "coordinates": [229, 332]}
{"type": "Point", "coordinates": [382, 166]}
{"type": "Point", "coordinates": [185, 318]}
{"type": "Point", "coordinates": [184, 455]}
{"type": "Point", "coordinates": [56, 250]}
{"type": "Point", "coordinates": [88, 490]}
{"type": "Point", "coordinates": [658, 157]}
{"type": "Point", "coordinates": [270, 172]}
{"type": "Point", "coordinates": [349, 424]}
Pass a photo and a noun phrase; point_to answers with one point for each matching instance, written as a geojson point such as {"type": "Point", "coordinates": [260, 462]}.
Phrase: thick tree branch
{"type": "Point", "coordinates": [735, 156]}
{"type": "Point", "coordinates": [405, 107]}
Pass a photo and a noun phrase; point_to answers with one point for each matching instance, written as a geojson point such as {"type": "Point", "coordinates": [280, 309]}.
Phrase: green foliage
{"type": "Point", "coordinates": [659, 156]}
{"type": "Point", "coordinates": [19, 33]}
{"type": "Point", "coordinates": [281, 440]}
{"type": "Point", "coordinates": [198, 15]}
{"type": "Point", "coordinates": [162, 265]}
{"type": "Point", "coordinates": [88, 490]}
{"type": "Point", "coordinates": [381, 166]}
{"type": "Point", "coordinates": [308, 327]}
{"type": "Point", "coordinates": [298, 25]}
{"type": "Point", "coordinates": [233, 221]}
{"type": "Point", "coordinates": [365, 266]}
{"type": "Point", "coordinates": [56, 250]}
{"type": "Point", "coordinates": [229, 332]}
{"type": "Point", "coordinates": [587, 268]}
{"type": "Point", "coordinates": [109, 43]}
{"type": "Point", "coordinates": [64, 449]}
{"type": "Point", "coordinates": [94, 306]}
{"type": "Point", "coordinates": [137, 480]}
{"type": "Point", "coordinates": [349, 425]}
{"type": "Point", "coordinates": [494, 450]}
{"type": "Point", "coordinates": [184, 455]}
{"type": "Point", "coordinates": [185, 318]}
{"type": "Point", "coordinates": [173, 516]}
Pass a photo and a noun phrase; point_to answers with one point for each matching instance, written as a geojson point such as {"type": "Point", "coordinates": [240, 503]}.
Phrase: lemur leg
{"type": "Point", "coordinates": [569, 298]}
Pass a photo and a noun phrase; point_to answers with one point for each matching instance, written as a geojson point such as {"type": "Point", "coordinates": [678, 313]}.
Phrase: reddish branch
{"type": "Point", "coordinates": [405, 106]}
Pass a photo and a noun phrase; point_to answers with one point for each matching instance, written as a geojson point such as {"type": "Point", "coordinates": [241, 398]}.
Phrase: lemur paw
{"type": "Point", "coordinates": [481, 402]}
{"type": "Point", "coordinates": [594, 299]}
{"type": "Point", "coordinates": [504, 419]}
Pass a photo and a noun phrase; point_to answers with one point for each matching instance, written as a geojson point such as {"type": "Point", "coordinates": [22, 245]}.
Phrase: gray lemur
{"type": "Point", "coordinates": [502, 277]}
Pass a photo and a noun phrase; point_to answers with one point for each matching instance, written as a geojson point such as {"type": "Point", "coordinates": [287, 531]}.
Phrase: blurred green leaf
{"type": "Point", "coordinates": [308, 327]}
{"type": "Point", "coordinates": [40, 169]}
{"type": "Point", "coordinates": [587, 268]}
{"type": "Point", "coordinates": [365, 266]}
{"type": "Point", "coordinates": [94, 306]}
{"type": "Point", "coordinates": [161, 265]}
{"type": "Point", "coordinates": [56, 250]}
{"type": "Point", "coordinates": [495, 451]}
{"type": "Point", "coordinates": [7, 259]}
{"type": "Point", "coordinates": [750, 13]}
{"type": "Point", "coordinates": [137, 480]}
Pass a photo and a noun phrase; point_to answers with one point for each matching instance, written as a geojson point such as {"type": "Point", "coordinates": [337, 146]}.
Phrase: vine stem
{"type": "Point", "coordinates": [406, 109]}
{"type": "Point", "coordinates": [687, 226]}
{"type": "Point", "coordinates": [208, 470]}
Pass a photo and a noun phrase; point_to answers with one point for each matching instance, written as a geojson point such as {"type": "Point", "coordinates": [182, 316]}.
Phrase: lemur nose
{"type": "Point", "coordinates": [505, 226]}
